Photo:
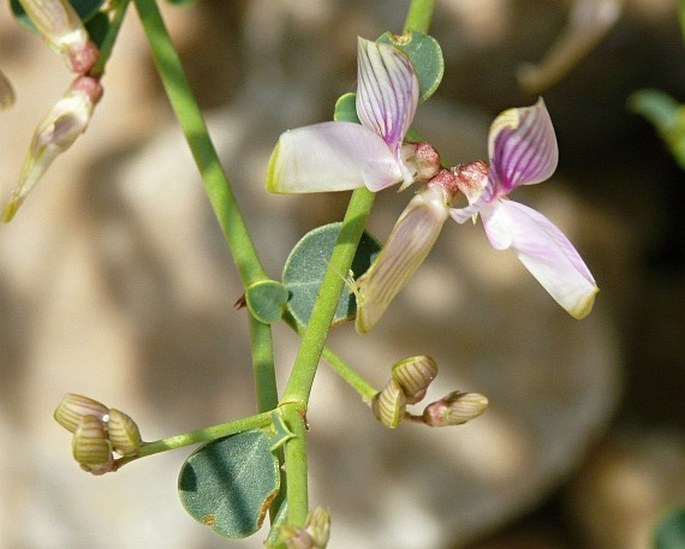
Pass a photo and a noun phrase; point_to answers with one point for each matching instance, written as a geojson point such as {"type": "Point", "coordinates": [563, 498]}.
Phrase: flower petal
{"type": "Point", "coordinates": [545, 251]}
{"type": "Point", "coordinates": [331, 156]}
{"type": "Point", "coordinates": [387, 91]}
{"type": "Point", "coordinates": [522, 146]}
{"type": "Point", "coordinates": [410, 241]}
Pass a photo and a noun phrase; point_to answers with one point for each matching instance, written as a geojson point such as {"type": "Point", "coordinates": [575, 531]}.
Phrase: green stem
{"type": "Point", "coordinates": [681, 16]}
{"type": "Point", "coordinates": [263, 365]}
{"type": "Point", "coordinates": [190, 118]}
{"type": "Point", "coordinates": [339, 366]}
{"type": "Point", "coordinates": [357, 382]}
{"type": "Point", "coordinates": [296, 466]}
{"type": "Point", "coordinates": [264, 375]}
{"type": "Point", "coordinates": [419, 16]}
{"type": "Point", "coordinates": [207, 434]}
{"type": "Point", "coordinates": [301, 379]}
{"type": "Point", "coordinates": [110, 38]}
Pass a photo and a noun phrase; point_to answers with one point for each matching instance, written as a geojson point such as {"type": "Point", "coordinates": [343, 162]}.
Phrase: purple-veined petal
{"type": "Point", "coordinates": [545, 251]}
{"type": "Point", "coordinates": [410, 241]}
{"type": "Point", "coordinates": [331, 156]}
{"type": "Point", "coordinates": [387, 91]}
{"type": "Point", "coordinates": [523, 147]}
{"type": "Point", "coordinates": [460, 215]}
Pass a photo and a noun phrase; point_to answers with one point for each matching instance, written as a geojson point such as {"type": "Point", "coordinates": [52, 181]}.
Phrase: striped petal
{"type": "Point", "coordinates": [331, 156]}
{"type": "Point", "coordinates": [410, 241]}
{"type": "Point", "coordinates": [387, 91]}
{"type": "Point", "coordinates": [545, 251]}
{"type": "Point", "coordinates": [523, 147]}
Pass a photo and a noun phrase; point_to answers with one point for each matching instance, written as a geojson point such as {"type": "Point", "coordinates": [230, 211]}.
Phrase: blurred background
{"type": "Point", "coordinates": [115, 283]}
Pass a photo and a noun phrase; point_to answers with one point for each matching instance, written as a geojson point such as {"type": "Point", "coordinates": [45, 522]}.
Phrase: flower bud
{"type": "Point", "coordinates": [293, 537]}
{"type": "Point", "coordinates": [314, 535]}
{"type": "Point", "coordinates": [455, 409]}
{"type": "Point", "coordinates": [413, 375]}
{"type": "Point", "coordinates": [123, 433]}
{"type": "Point", "coordinates": [90, 446]}
{"type": "Point", "coordinates": [390, 404]}
{"type": "Point", "coordinates": [68, 119]}
{"type": "Point", "coordinates": [74, 407]}
{"type": "Point", "coordinates": [409, 243]}
{"type": "Point", "coordinates": [6, 92]}
{"type": "Point", "coordinates": [64, 31]}
{"type": "Point", "coordinates": [319, 527]}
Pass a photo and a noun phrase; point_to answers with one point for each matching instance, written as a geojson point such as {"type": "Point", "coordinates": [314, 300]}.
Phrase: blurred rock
{"type": "Point", "coordinates": [627, 483]}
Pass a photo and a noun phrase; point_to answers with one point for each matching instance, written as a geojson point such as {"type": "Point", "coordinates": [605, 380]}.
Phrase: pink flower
{"type": "Point", "coordinates": [338, 156]}
{"type": "Point", "coordinates": [523, 151]}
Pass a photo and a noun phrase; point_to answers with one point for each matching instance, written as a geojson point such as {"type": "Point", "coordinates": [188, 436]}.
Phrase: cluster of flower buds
{"type": "Point", "coordinates": [63, 30]}
{"type": "Point", "coordinates": [408, 385]}
{"type": "Point", "coordinates": [314, 535]}
{"type": "Point", "coordinates": [98, 432]}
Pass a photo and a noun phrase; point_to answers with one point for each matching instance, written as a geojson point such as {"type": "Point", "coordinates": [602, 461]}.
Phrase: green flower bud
{"type": "Point", "coordinates": [314, 535]}
{"type": "Point", "coordinates": [319, 527]}
{"type": "Point", "coordinates": [390, 404]}
{"type": "Point", "coordinates": [74, 407]}
{"type": "Point", "coordinates": [90, 446]}
{"type": "Point", "coordinates": [123, 433]}
{"type": "Point", "coordinates": [414, 374]}
{"type": "Point", "coordinates": [455, 409]}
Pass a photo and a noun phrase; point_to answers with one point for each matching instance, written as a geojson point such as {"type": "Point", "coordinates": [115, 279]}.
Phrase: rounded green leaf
{"type": "Point", "coordinates": [307, 263]}
{"type": "Point", "coordinates": [229, 484]}
{"type": "Point", "coordinates": [670, 531]}
{"type": "Point", "coordinates": [346, 108]}
{"type": "Point", "coordinates": [425, 55]}
{"type": "Point", "coordinates": [86, 9]}
{"type": "Point", "coordinates": [266, 300]}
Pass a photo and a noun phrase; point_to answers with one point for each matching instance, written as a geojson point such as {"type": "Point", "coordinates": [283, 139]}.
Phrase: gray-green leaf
{"type": "Point", "coordinates": [425, 55]}
{"type": "Point", "coordinates": [229, 484]}
{"type": "Point", "coordinates": [307, 263]}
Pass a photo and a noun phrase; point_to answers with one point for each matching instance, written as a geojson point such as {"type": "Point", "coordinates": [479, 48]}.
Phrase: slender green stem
{"type": "Point", "coordinates": [296, 465]}
{"type": "Point", "coordinates": [263, 365]}
{"type": "Point", "coordinates": [190, 118]}
{"type": "Point", "coordinates": [419, 16]}
{"type": "Point", "coordinates": [681, 16]}
{"type": "Point", "coordinates": [267, 393]}
{"type": "Point", "coordinates": [110, 38]}
{"type": "Point", "coordinates": [353, 379]}
{"type": "Point", "coordinates": [339, 366]}
{"type": "Point", "coordinates": [299, 385]}
{"type": "Point", "coordinates": [207, 434]}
